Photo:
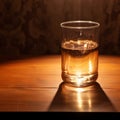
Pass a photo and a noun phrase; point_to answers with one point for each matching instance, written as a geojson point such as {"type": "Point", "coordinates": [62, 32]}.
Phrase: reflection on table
{"type": "Point", "coordinates": [87, 99]}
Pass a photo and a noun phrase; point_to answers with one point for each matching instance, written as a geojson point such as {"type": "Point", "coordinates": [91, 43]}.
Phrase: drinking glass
{"type": "Point", "coordinates": [79, 52]}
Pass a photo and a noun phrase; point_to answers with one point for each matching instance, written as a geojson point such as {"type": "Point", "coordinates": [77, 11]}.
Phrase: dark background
{"type": "Point", "coordinates": [32, 27]}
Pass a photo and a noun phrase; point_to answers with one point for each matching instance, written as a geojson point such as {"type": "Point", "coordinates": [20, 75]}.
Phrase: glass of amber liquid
{"type": "Point", "coordinates": [79, 52]}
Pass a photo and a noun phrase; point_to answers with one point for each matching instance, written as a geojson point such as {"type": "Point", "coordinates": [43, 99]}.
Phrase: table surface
{"type": "Point", "coordinates": [35, 84]}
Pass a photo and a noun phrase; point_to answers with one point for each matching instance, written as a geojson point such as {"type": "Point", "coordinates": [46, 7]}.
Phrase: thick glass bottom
{"type": "Point", "coordinates": [81, 80]}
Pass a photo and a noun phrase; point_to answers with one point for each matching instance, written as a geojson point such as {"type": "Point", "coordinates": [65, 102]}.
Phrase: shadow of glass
{"type": "Point", "coordinates": [88, 99]}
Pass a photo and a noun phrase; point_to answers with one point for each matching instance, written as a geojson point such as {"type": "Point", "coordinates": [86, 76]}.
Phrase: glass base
{"type": "Point", "coordinates": [80, 81]}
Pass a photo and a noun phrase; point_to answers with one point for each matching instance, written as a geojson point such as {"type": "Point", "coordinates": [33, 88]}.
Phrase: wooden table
{"type": "Point", "coordinates": [34, 84]}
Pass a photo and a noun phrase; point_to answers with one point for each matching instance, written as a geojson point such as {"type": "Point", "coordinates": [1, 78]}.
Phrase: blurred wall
{"type": "Point", "coordinates": [32, 27]}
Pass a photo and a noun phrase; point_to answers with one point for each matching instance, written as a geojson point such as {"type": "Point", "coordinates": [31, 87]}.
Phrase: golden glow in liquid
{"type": "Point", "coordinates": [79, 61]}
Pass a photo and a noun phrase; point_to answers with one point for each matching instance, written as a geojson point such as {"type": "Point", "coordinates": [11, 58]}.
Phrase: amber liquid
{"type": "Point", "coordinates": [79, 62]}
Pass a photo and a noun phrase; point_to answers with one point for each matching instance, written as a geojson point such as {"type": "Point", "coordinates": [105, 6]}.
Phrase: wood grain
{"type": "Point", "coordinates": [31, 84]}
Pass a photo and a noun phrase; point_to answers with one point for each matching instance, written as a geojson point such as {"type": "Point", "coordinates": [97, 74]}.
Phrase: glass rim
{"type": "Point", "coordinates": [91, 24]}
